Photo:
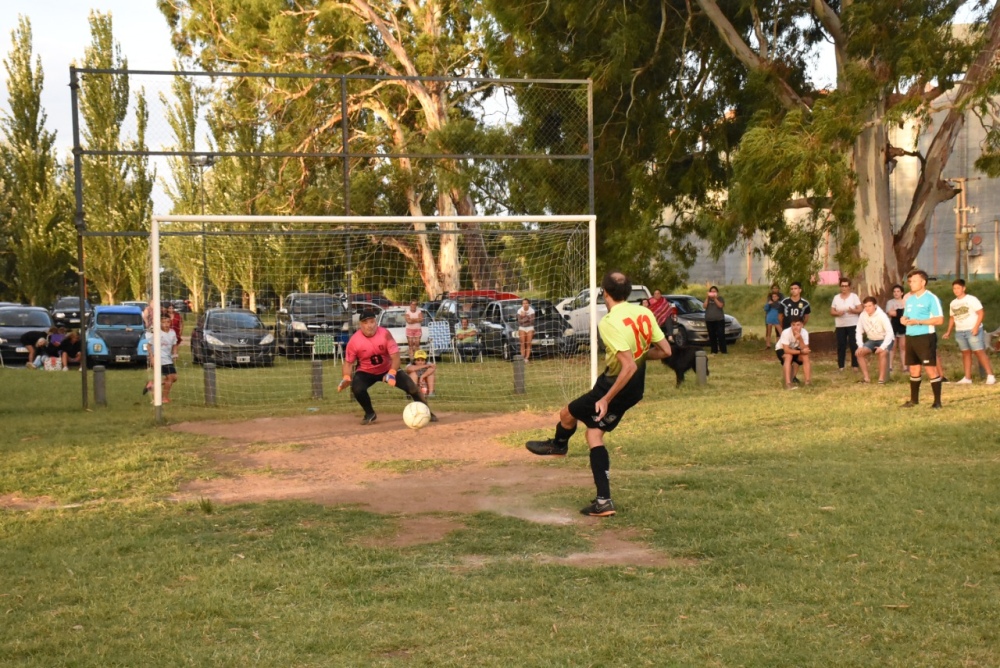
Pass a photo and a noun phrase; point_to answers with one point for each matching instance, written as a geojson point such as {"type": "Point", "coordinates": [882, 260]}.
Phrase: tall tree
{"type": "Point", "coordinates": [829, 152]}
{"type": "Point", "coordinates": [39, 235]}
{"type": "Point", "coordinates": [117, 188]}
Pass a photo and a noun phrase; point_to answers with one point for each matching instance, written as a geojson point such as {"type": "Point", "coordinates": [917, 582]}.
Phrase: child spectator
{"type": "Point", "coordinates": [422, 373]}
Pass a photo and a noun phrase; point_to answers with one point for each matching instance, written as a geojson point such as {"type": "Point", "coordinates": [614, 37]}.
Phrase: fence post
{"type": "Point", "coordinates": [701, 366]}
{"type": "Point", "coordinates": [518, 364]}
{"type": "Point", "coordinates": [210, 384]}
{"type": "Point", "coordinates": [100, 388]}
{"type": "Point", "coordinates": [317, 379]}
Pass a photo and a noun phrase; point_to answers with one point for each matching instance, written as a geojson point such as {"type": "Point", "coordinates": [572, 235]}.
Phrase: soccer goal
{"type": "Point", "coordinates": [277, 298]}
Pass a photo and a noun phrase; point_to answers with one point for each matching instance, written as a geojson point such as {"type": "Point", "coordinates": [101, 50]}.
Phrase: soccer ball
{"type": "Point", "coordinates": [416, 415]}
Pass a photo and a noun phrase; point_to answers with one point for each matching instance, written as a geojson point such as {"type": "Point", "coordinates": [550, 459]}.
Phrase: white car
{"type": "Point", "coordinates": [392, 319]}
{"type": "Point", "coordinates": [578, 312]}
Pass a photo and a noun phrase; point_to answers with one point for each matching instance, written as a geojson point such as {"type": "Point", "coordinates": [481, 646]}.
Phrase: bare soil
{"type": "Point", "coordinates": [453, 467]}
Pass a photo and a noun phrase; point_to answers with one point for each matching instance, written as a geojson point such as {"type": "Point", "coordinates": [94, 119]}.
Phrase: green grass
{"type": "Point", "coordinates": [824, 527]}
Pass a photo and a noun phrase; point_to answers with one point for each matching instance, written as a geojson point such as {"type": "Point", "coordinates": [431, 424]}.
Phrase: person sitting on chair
{"type": "Point", "coordinates": [466, 339]}
{"type": "Point", "coordinates": [422, 373]}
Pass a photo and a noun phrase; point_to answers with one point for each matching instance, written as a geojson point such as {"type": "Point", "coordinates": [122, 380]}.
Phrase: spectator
{"type": "Point", "coordinates": [794, 307]}
{"type": "Point", "coordinates": [644, 303]}
{"type": "Point", "coordinates": [168, 352]}
{"type": "Point", "coordinates": [414, 318]}
{"type": "Point", "coordinates": [526, 327]}
{"type": "Point", "coordinates": [894, 309]}
{"type": "Point", "coordinates": [966, 318]}
{"type": "Point", "coordinates": [845, 309]}
{"type": "Point", "coordinates": [920, 316]}
{"type": "Point", "coordinates": [875, 324]}
{"type": "Point", "coordinates": [715, 321]}
{"type": "Point", "coordinates": [34, 341]}
{"type": "Point", "coordinates": [422, 373]}
{"type": "Point", "coordinates": [663, 311]}
{"type": "Point", "coordinates": [466, 339]}
{"type": "Point", "coordinates": [772, 315]}
{"type": "Point", "coordinates": [70, 350]}
{"type": "Point", "coordinates": [792, 349]}
{"type": "Point", "coordinates": [176, 321]}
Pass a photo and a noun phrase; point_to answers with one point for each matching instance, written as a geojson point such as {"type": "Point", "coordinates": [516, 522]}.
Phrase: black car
{"type": "Point", "coordinates": [66, 312]}
{"type": "Point", "coordinates": [689, 322]}
{"type": "Point", "coordinates": [233, 337]}
{"type": "Point", "coordinates": [15, 322]}
{"type": "Point", "coordinates": [498, 330]}
{"type": "Point", "coordinates": [306, 314]}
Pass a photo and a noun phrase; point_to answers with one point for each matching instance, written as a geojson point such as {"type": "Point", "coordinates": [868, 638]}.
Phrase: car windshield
{"type": "Point", "coordinates": [67, 302]}
{"type": "Point", "coordinates": [318, 304]}
{"type": "Point", "coordinates": [687, 305]}
{"type": "Point", "coordinates": [219, 321]}
{"type": "Point", "coordinates": [119, 319]}
{"type": "Point", "coordinates": [396, 319]}
{"type": "Point", "coordinates": [14, 317]}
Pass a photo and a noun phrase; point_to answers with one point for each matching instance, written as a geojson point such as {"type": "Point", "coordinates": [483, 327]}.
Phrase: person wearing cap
{"type": "Point", "coordinates": [422, 373]}
{"type": "Point", "coordinates": [372, 356]}
{"type": "Point", "coordinates": [466, 339]}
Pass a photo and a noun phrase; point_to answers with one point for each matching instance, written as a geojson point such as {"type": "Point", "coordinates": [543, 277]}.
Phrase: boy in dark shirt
{"type": "Point", "coordinates": [794, 307]}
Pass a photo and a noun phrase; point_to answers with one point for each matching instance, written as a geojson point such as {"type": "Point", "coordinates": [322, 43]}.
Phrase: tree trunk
{"type": "Point", "coordinates": [449, 271]}
{"type": "Point", "coordinates": [872, 217]}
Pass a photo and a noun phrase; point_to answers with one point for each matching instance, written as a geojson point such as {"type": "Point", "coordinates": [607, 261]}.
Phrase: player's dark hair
{"type": "Point", "coordinates": [869, 300]}
{"type": "Point", "coordinates": [617, 286]}
{"type": "Point", "coordinates": [794, 284]}
{"type": "Point", "coordinates": [918, 272]}
{"type": "Point", "coordinates": [959, 281]}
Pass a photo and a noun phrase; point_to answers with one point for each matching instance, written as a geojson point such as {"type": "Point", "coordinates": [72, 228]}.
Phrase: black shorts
{"type": "Point", "coordinates": [921, 350]}
{"type": "Point", "coordinates": [363, 380]}
{"type": "Point", "coordinates": [796, 359]}
{"type": "Point", "coordinates": [583, 408]}
{"type": "Point", "coordinates": [167, 369]}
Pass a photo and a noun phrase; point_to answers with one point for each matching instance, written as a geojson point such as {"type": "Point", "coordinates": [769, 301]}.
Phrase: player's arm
{"type": "Point", "coordinates": [347, 369]}
{"type": "Point", "coordinates": [859, 331]}
{"type": "Point", "coordinates": [624, 376]}
{"type": "Point", "coordinates": [660, 350]}
{"type": "Point", "coordinates": [951, 325]}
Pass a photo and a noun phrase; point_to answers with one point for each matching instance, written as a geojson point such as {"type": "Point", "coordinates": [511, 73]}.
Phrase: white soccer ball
{"type": "Point", "coordinates": [416, 415]}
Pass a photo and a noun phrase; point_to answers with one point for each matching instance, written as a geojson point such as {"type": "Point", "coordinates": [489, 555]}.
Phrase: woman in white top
{"type": "Point", "coordinates": [526, 327]}
{"type": "Point", "coordinates": [414, 318]}
{"type": "Point", "coordinates": [894, 309]}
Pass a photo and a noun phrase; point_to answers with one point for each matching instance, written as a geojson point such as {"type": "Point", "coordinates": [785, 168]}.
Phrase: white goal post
{"type": "Point", "coordinates": [362, 222]}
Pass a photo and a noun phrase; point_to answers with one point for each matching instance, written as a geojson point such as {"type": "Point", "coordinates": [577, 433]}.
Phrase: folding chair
{"type": "Point", "coordinates": [326, 345]}
{"type": "Point", "coordinates": [460, 357]}
{"type": "Point", "coordinates": [439, 341]}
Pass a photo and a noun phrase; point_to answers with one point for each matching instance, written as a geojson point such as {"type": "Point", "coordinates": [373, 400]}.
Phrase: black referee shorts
{"type": "Point", "coordinates": [921, 349]}
{"type": "Point", "coordinates": [583, 408]}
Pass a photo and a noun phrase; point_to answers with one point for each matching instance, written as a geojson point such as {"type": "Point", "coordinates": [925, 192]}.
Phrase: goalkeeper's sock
{"type": "Point", "coordinates": [600, 465]}
{"type": "Point", "coordinates": [563, 434]}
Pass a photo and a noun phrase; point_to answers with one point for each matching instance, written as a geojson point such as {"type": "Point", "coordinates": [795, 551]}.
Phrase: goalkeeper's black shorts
{"type": "Point", "coordinates": [583, 408]}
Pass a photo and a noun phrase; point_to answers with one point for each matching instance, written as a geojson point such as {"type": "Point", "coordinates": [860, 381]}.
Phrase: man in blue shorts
{"type": "Point", "coordinates": [920, 315]}
{"type": "Point", "coordinates": [631, 336]}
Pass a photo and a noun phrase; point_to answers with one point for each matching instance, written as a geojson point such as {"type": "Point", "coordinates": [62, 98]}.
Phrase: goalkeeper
{"type": "Point", "coordinates": [376, 355]}
{"type": "Point", "coordinates": [631, 336]}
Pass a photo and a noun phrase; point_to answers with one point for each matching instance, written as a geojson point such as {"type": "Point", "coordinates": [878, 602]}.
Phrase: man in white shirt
{"type": "Point", "coordinates": [875, 324]}
{"type": "Point", "coordinates": [793, 348]}
{"type": "Point", "coordinates": [845, 310]}
{"type": "Point", "coordinates": [966, 318]}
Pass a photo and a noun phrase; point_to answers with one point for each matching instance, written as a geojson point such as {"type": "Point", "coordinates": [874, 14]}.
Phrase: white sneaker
{"type": "Point", "coordinates": [964, 381]}
{"type": "Point", "coordinates": [991, 380]}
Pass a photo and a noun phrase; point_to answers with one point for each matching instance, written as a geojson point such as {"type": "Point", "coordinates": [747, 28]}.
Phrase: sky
{"type": "Point", "coordinates": [61, 33]}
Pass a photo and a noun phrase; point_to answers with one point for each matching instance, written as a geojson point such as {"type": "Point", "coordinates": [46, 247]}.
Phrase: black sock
{"type": "Point", "coordinates": [914, 390]}
{"type": "Point", "coordinates": [936, 388]}
{"type": "Point", "coordinates": [600, 465]}
{"type": "Point", "coordinates": [563, 434]}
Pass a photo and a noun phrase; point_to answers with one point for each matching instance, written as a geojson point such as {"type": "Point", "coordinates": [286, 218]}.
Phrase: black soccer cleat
{"type": "Point", "coordinates": [599, 508]}
{"type": "Point", "coordinates": [369, 418]}
{"type": "Point", "coordinates": [908, 404]}
{"type": "Point", "coordinates": [434, 418]}
{"type": "Point", "coordinates": [549, 447]}
{"type": "Point", "coordinates": [936, 405]}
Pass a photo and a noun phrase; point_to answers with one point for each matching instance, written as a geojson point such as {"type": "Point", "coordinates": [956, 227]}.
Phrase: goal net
{"type": "Point", "coordinates": [284, 295]}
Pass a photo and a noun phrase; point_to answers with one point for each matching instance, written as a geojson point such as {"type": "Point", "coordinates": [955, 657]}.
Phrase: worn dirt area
{"type": "Point", "coordinates": [454, 467]}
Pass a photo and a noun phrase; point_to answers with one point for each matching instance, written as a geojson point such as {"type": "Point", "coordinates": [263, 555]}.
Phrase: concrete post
{"type": "Point", "coordinates": [701, 366]}
{"type": "Point", "coordinates": [317, 379]}
{"type": "Point", "coordinates": [100, 386]}
{"type": "Point", "coordinates": [518, 364]}
{"type": "Point", "coordinates": [210, 384]}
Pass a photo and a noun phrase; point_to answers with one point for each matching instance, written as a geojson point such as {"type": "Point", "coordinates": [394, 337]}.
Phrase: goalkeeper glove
{"type": "Point", "coordinates": [344, 383]}
{"type": "Point", "coordinates": [390, 378]}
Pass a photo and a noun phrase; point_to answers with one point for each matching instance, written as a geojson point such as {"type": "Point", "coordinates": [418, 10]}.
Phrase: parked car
{"type": "Point", "coordinates": [498, 330]}
{"type": "Point", "coordinates": [66, 312]}
{"type": "Point", "coordinates": [306, 314]}
{"type": "Point", "coordinates": [578, 312]}
{"type": "Point", "coordinates": [116, 335]}
{"type": "Point", "coordinates": [15, 322]}
{"type": "Point", "coordinates": [135, 302]}
{"type": "Point", "coordinates": [689, 322]}
{"type": "Point", "coordinates": [392, 319]}
{"type": "Point", "coordinates": [375, 297]}
{"type": "Point", "coordinates": [232, 336]}
{"type": "Point", "coordinates": [452, 310]}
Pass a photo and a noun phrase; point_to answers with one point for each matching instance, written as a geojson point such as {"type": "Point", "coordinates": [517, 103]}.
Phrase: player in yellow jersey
{"type": "Point", "coordinates": [631, 336]}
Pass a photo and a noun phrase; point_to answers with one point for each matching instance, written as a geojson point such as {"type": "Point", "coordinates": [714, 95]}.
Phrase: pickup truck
{"type": "Point", "coordinates": [306, 314]}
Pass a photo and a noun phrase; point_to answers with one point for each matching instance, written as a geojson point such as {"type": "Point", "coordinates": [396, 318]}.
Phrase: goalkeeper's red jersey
{"type": "Point", "coordinates": [373, 354]}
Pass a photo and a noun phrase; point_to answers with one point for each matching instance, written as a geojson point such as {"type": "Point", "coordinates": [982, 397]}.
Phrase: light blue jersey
{"type": "Point", "coordinates": [924, 307]}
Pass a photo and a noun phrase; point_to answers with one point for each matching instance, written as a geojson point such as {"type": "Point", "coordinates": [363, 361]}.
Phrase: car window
{"type": "Point", "coordinates": [218, 321]}
{"type": "Point", "coordinates": [119, 319]}
{"type": "Point", "coordinates": [317, 304]}
{"type": "Point", "coordinates": [393, 319]}
{"type": "Point", "coordinates": [687, 305]}
{"type": "Point", "coordinates": [637, 295]}
{"type": "Point", "coordinates": [13, 317]}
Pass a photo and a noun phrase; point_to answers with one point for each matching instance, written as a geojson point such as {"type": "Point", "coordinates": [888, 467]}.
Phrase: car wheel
{"type": "Point", "coordinates": [680, 337]}
{"type": "Point", "coordinates": [195, 357]}
{"type": "Point", "coordinates": [507, 351]}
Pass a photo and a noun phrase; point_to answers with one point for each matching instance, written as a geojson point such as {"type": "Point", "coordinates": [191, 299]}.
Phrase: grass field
{"type": "Point", "coordinates": [824, 527]}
